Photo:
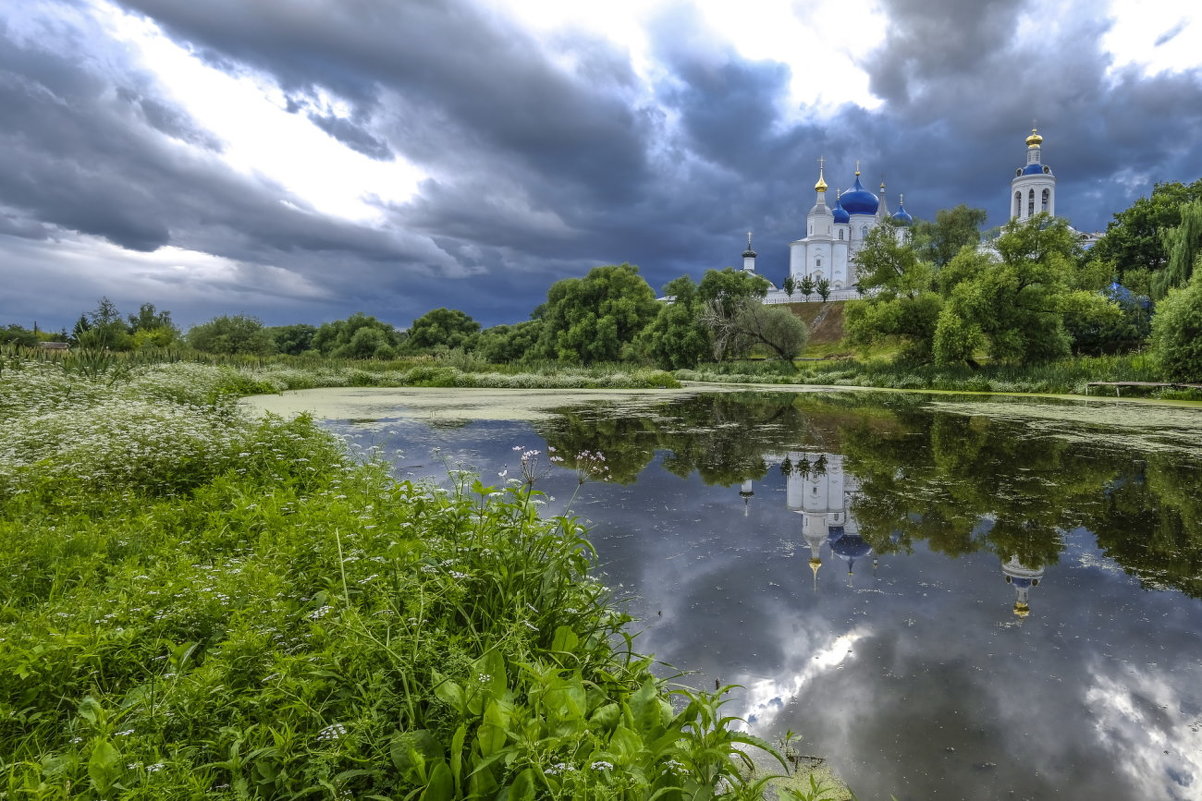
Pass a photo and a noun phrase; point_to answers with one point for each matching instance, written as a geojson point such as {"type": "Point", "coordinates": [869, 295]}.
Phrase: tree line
{"type": "Point", "coordinates": [947, 294]}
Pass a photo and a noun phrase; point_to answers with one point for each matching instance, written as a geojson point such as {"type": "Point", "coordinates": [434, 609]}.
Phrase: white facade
{"type": "Point", "coordinates": [1033, 188]}
{"type": "Point", "coordinates": [833, 236]}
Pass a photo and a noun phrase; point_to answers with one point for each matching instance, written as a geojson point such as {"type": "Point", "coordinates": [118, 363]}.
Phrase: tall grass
{"type": "Point", "coordinates": [194, 604]}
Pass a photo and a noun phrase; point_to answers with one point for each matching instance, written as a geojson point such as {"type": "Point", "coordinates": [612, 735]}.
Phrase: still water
{"type": "Point", "coordinates": [945, 599]}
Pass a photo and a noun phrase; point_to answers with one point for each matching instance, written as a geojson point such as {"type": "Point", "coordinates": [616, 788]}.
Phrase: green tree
{"type": "Point", "coordinates": [953, 229]}
{"type": "Point", "coordinates": [238, 333]}
{"type": "Point", "coordinates": [1096, 323]}
{"type": "Point", "coordinates": [823, 288]}
{"type": "Point", "coordinates": [151, 328]}
{"type": "Point", "coordinates": [1183, 244]}
{"type": "Point", "coordinates": [901, 299]}
{"type": "Point", "coordinates": [1134, 239]}
{"type": "Point", "coordinates": [1177, 332]}
{"type": "Point", "coordinates": [594, 318]}
{"type": "Point", "coordinates": [731, 287]}
{"type": "Point", "coordinates": [337, 338]}
{"type": "Point", "coordinates": [790, 286]}
{"type": "Point", "coordinates": [503, 344]}
{"type": "Point", "coordinates": [676, 338]}
{"type": "Point", "coordinates": [14, 334]}
{"type": "Point", "coordinates": [442, 327]}
{"type": "Point", "coordinates": [752, 324]}
{"type": "Point", "coordinates": [293, 339]}
{"type": "Point", "coordinates": [806, 287]}
{"type": "Point", "coordinates": [1013, 306]}
{"type": "Point", "coordinates": [104, 329]}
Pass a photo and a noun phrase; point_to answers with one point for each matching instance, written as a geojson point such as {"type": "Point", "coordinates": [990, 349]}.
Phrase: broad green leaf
{"type": "Point", "coordinates": [565, 640]}
{"type": "Point", "coordinates": [411, 750]}
{"type": "Point", "coordinates": [104, 766]}
{"type": "Point", "coordinates": [441, 786]}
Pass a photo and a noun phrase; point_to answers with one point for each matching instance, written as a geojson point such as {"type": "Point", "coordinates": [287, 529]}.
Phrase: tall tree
{"type": "Point", "coordinates": [238, 333]}
{"type": "Point", "coordinates": [1183, 244]}
{"type": "Point", "coordinates": [448, 328]}
{"type": "Point", "coordinates": [939, 241]}
{"type": "Point", "coordinates": [900, 301]}
{"type": "Point", "coordinates": [594, 318]}
{"type": "Point", "coordinates": [1013, 307]}
{"type": "Point", "coordinates": [676, 337]}
{"type": "Point", "coordinates": [338, 338]}
{"type": "Point", "coordinates": [1134, 239]}
{"type": "Point", "coordinates": [1177, 332]}
{"type": "Point", "coordinates": [749, 324]}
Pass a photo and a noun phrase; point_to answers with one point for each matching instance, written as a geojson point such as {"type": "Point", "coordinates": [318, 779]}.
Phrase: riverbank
{"type": "Point", "coordinates": [197, 603]}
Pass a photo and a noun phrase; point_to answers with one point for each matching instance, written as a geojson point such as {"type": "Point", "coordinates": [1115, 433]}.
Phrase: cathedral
{"type": "Point", "coordinates": [835, 234]}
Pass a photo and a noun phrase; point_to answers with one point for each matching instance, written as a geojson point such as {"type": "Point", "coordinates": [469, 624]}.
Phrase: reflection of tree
{"type": "Point", "coordinates": [1149, 520]}
{"type": "Point", "coordinates": [965, 483]}
{"type": "Point", "coordinates": [958, 483]}
{"type": "Point", "coordinates": [627, 442]}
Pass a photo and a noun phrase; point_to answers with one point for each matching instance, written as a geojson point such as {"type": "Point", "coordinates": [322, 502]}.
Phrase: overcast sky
{"type": "Point", "coordinates": [300, 160]}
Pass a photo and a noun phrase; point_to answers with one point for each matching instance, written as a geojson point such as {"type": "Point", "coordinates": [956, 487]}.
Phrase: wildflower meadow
{"type": "Point", "coordinates": [198, 604]}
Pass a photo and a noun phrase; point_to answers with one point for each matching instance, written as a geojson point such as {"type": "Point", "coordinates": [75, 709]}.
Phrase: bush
{"type": "Point", "coordinates": [1177, 332]}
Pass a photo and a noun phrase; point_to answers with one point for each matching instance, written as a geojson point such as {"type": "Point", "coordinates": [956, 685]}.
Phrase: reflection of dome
{"type": "Point", "coordinates": [859, 200]}
{"type": "Point", "coordinates": [850, 547]}
{"type": "Point", "coordinates": [1022, 578]}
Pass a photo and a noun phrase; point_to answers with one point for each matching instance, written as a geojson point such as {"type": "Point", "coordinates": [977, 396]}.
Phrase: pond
{"type": "Point", "coordinates": [944, 597]}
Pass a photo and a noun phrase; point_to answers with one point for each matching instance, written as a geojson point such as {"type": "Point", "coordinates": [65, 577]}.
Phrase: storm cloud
{"type": "Point", "coordinates": [539, 155]}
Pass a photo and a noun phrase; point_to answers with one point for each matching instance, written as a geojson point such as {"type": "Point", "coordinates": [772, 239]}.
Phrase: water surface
{"type": "Point", "coordinates": [946, 598]}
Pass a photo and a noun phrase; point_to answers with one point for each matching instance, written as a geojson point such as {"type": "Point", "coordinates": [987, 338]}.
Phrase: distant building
{"type": "Point", "coordinates": [834, 235]}
{"type": "Point", "coordinates": [1033, 188]}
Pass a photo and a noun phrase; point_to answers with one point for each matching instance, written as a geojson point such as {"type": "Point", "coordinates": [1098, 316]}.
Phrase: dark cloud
{"type": "Point", "coordinates": [353, 136]}
{"type": "Point", "coordinates": [546, 157]}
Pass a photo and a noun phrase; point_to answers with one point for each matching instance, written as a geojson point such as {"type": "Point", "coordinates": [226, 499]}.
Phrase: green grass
{"type": "Point", "coordinates": [1068, 376]}
{"type": "Point", "coordinates": [195, 604]}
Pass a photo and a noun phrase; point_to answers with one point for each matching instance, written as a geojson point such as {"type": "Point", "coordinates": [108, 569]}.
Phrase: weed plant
{"type": "Point", "coordinates": [195, 604]}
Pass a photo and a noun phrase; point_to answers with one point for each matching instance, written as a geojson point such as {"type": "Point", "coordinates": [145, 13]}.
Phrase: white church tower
{"type": "Point", "coordinates": [1033, 188]}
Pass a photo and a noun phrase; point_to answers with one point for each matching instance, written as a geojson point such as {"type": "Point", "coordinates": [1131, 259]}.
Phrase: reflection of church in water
{"type": "Point", "coordinates": [818, 489]}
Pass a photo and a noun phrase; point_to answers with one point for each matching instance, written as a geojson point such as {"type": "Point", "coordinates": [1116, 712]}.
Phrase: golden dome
{"type": "Point", "coordinates": [821, 185]}
{"type": "Point", "coordinates": [1021, 610]}
{"type": "Point", "coordinates": [1034, 139]}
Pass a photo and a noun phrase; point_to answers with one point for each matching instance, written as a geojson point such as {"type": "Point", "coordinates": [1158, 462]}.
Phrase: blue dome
{"type": "Point", "coordinates": [841, 215]}
{"type": "Point", "coordinates": [1036, 169]}
{"type": "Point", "coordinates": [859, 200]}
{"type": "Point", "coordinates": [902, 217]}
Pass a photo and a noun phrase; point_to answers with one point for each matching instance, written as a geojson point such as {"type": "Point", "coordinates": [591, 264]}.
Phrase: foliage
{"type": "Point", "coordinates": [293, 340]}
{"type": "Point", "coordinates": [1177, 332]}
{"type": "Point", "coordinates": [953, 229]}
{"type": "Point", "coordinates": [1012, 307]}
{"type": "Point", "coordinates": [901, 302]}
{"type": "Point", "coordinates": [806, 286]}
{"type": "Point", "coordinates": [823, 288]}
{"type": "Point", "coordinates": [731, 288]}
{"type": "Point", "coordinates": [595, 318]}
{"type": "Point", "coordinates": [151, 328]}
{"type": "Point", "coordinates": [103, 329]}
{"type": "Point", "coordinates": [503, 344]}
{"type": "Point", "coordinates": [1183, 244]}
{"type": "Point", "coordinates": [751, 324]}
{"type": "Point", "coordinates": [448, 328]}
{"type": "Point", "coordinates": [279, 621]}
{"type": "Point", "coordinates": [1134, 239]}
{"type": "Point", "coordinates": [238, 333]}
{"type": "Point", "coordinates": [359, 336]}
{"type": "Point", "coordinates": [676, 338]}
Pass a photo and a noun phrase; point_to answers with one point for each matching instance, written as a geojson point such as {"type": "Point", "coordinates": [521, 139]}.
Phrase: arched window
{"type": "Point", "coordinates": [818, 262]}
{"type": "Point", "coordinates": [1018, 203]}
{"type": "Point", "coordinates": [864, 231]}
{"type": "Point", "coordinates": [811, 229]}
{"type": "Point", "coordinates": [1047, 194]}
{"type": "Point", "coordinates": [1031, 203]}
{"type": "Point", "coordinates": [840, 234]}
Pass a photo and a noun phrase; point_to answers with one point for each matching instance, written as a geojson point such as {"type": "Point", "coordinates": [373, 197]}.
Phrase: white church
{"type": "Point", "coordinates": [835, 234]}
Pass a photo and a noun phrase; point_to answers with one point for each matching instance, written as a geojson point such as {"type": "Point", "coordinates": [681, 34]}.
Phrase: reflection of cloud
{"type": "Point", "coordinates": [1140, 717]}
{"type": "Point", "coordinates": [765, 698]}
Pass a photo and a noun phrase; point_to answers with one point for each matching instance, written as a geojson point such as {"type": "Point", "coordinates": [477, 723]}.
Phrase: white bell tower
{"type": "Point", "coordinates": [1033, 188]}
